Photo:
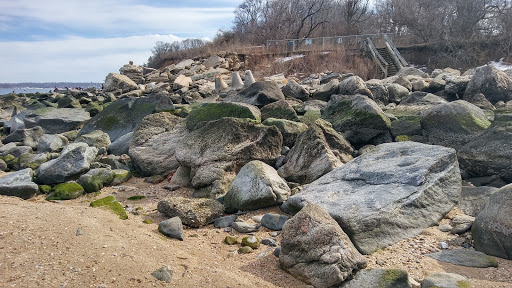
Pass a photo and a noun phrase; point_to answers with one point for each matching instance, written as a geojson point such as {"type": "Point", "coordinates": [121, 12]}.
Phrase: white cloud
{"type": "Point", "coordinates": [73, 59]}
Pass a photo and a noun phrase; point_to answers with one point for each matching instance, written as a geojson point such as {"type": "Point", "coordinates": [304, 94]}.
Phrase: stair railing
{"type": "Point", "coordinates": [395, 53]}
{"type": "Point", "coordinates": [377, 58]}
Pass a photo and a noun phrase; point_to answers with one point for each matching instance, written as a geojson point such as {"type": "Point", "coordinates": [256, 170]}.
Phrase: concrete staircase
{"type": "Point", "coordinates": [393, 67]}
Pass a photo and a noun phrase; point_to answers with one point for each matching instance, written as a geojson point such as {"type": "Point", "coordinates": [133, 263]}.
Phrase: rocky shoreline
{"type": "Point", "coordinates": [355, 166]}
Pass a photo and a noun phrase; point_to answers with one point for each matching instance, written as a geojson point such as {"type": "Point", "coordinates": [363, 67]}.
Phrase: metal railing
{"type": "Point", "coordinates": [401, 60]}
{"type": "Point", "coordinates": [322, 43]}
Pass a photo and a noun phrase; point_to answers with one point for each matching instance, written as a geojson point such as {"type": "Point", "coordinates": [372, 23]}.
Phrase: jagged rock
{"type": "Point", "coordinates": [258, 94]}
{"type": "Point", "coordinates": [489, 154]}
{"type": "Point", "coordinates": [453, 124]}
{"type": "Point", "coordinates": [417, 183]}
{"type": "Point", "coordinates": [96, 138]}
{"type": "Point", "coordinates": [280, 110]}
{"type": "Point", "coordinates": [461, 223]}
{"type": "Point", "coordinates": [350, 85]}
{"type": "Point", "coordinates": [411, 71]}
{"type": "Point", "coordinates": [154, 144]}
{"type": "Point", "coordinates": [457, 84]}
{"type": "Point", "coordinates": [481, 102]}
{"type": "Point", "coordinates": [120, 176]}
{"type": "Point", "coordinates": [33, 161]}
{"type": "Point", "coordinates": [397, 93]}
{"type": "Point", "coordinates": [68, 101]}
{"type": "Point", "coordinates": [213, 61]}
{"type": "Point", "coordinates": [51, 143]}
{"type": "Point", "coordinates": [473, 199]}
{"type": "Point", "coordinates": [12, 149]}
{"type": "Point", "coordinates": [445, 280]}
{"type": "Point", "coordinates": [57, 120]}
{"type": "Point", "coordinates": [192, 212]}
{"type": "Point", "coordinates": [95, 179]}
{"type": "Point", "coordinates": [325, 91]}
{"type": "Point", "coordinates": [123, 116]}
{"type": "Point", "coordinates": [317, 151]}
{"type": "Point", "coordinates": [293, 89]}
{"type": "Point", "coordinates": [422, 98]}
{"type": "Point", "coordinates": [225, 221]}
{"type": "Point", "coordinates": [75, 159]}
{"type": "Point", "coordinates": [380, 92]}
{"type": "Point", "coordinates": [19, 184]}
{"type": "Point", "coordinates": [164, 274]}
{"type": "Point", "coordinates": [289, 129]}
{"type": "Point", "coordinates": [379, 278]}
{"type": "Point", "coordinates": [215, 111]}
{"type": "Point", "coordinates": [27, 137]}
{"type": "Point", "coordinates": [256, 186]}
{"type": "Point", "coordinates": [182, 81]}
{"type": "Point", "coordinates": [359, 119]}
{"type": "Point", "coordinates": [315, 249]}
{"type": "Point", "coordinates": [491, 230]}
{"type": "Point", "coordinates": [121, 145]}
{"type": "Point", "coordinates": [494, 84]}
{"type": "Point", "coordinates": [134, 72]}
{"type": "Point", "coordinates": [115, 81]}
{"type": "Point", "coordinates": [172, 228]}
{"type": "Point", "coordinates": [225, 145]}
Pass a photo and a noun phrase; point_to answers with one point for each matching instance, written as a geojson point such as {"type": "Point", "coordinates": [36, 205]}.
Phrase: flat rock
{"type": "Point", "coordinates": [244, 227]}
{"type": "Point", "coordinates": [57, 120]}
{"type": "Point", "coordinates": [274, 222]}
{"type": "Point", "coordinates": [192, 212]}
{"type": "Point", "coordinates": [379, 278]}
{"type": "Point", "coordinates": [225, 221]}
{"type": "Point", "coordinates": [445, 280]}
{"type": "Point", "coordinates": [19, 184]}
{"type": "Point", "coordinates": [172, 228]}
{"type": "Point", "coordinates": [465, 257]}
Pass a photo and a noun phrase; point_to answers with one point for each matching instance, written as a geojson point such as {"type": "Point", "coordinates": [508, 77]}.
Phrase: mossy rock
{"type": "Point", "coordinates": [45, 189]}
{"type": "Point", "coordinates": [251, 241]}
{"type": "Point", "coordinates": [289, 129]}
{"type": "Point", "coordinates": [391, 277]}
{"type": "Point", "coordinates": [136, 197]}
{"type": "Point", "coordinates": [10, 160]}
{"type": "Point", "coordinates": [401, 138]}
{"type": "Point", "coordinates": [215, 111]}
{"type": "Point", "coordinates": [120, 176]}
{"type": "Point", "coordinates": [310, 117]}
{"type": "Point", "coordinates": [29, 160]}
{"type": "Point", "coordinates": [94, 108]}
{"type": "Point", "coordinates": [96, 179]}
{"type": "Point", "coordinates": [230, 240]}
{"type": "Point", "coordinates": [245, 250]}
{"type": "Point", "coordinates": [181, 110]}
{"type": "Point", "coordinates": [463, 284]}
{"type": "Point", "coordinates": [66, 191]}
{"type": "Point", "coordinates": [147, 221]}
{"type": "Point", "coordinates": [280, 110]}
{"type": "Point", "coordinates": [111, 203]}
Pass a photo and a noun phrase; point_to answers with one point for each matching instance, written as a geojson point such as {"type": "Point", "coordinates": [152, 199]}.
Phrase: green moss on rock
{"type": "Point", "coordinates": [136, 197]}
{"type": "Point", "coordinates": [230, 240]}
{"type": "Point", "coordinates": [245, 250]}
{"type": "Point", "coordinates": [391, 277]}
{"type": "Point", "coordinates": [111, 203]}
{"type": "Point", "coordinates": [45, 189]}
{"type": "Point", "coordinates": [310, 117]}
{"type": "Point", "coordinates": [401, 138]}
{"type": "Point", "coordinates": [463, 284]}
{"type": "Point", "coordinates": [10, 160]}
{"type": "Point", "coordinates": [66, 191]}
{"type": "Point", "coordinates": [251, 241]}
{"type": "Point", "coordinates": [215, 111]}
{"type": "Point", "coordinates": [147, 221]}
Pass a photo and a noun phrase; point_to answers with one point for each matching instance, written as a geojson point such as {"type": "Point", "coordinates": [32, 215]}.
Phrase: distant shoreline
{"type": "Point", "coordinates": [49, 85]}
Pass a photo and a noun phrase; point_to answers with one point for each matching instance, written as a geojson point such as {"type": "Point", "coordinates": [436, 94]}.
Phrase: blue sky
{"type": "Point", "coordinates": [84, 40]}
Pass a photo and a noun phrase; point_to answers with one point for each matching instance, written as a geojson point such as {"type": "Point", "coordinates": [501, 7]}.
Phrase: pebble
{"type": "Point", "coordinates": [171, 187]}
{"type": "Point", "coordinates": [269, 242]}
{"type": "Point", "coordinates": [445, 228]}
{"type": "Point", "coordinates": [274, 234]}
{"type": "Point", "coordinates": [277, 251]}
{"type": "Point", "coordinates": [79, 232]}
{"type": "Point", "coordinates": [443, 245]}
{"type": "Point", "coordinates": [163, 274]}
{"type": "Point", "coordinates": [257, 218]}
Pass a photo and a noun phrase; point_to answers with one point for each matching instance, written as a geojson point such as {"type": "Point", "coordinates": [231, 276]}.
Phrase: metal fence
{"type": "Point", "coordinates": [323, 43]}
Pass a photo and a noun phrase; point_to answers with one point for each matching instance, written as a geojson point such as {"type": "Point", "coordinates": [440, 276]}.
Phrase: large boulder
{"type": "Point", "coordinates": [96, 138]}
{"type": "Point", "coordinates": [279, 109]}
{"type": "Point", "coordinates": [19, 184]}
{"type": "Point", "coordinates": [397, 93]}
{"type": "Point", "coordinates": [453, 124]}
{"type": "Point", "coordinates": [123, 116]}
{"type": "Point", "coordinates": [121, 145]}
{"type": "Point", "coordinates": [359, 119]}
{"type": "Point", "coordinates": [325, 91]}
{"type": "Point", "coordinates": [494, 84]}
{"type": "Point", "coordinates": [379, 91]}
{"type": "Point", "coordinates": [474, 199]}
{"type": "Point", "coordinates": [289, 129]}
{"type": "Point", "coordinates": [192, 212]}
{"type": "Point", "coordinates": [115, 81]}
{"type": "Point", "coordinates": [74, 160]}
{"type": "Point", "coordinates": [27, 137]}
{"type": "Point", "coordinates": [256, 186]}
{"type": "Point", "coordinates": [214, 111]}
{"type": "Point", "coordinates": [154, 143]}
{"type": "Point", "coordinates": [489, 154]}
{"type": "Point", "coordinates": [51, 143]}
{"type": "Point", "coordinates": [225, 145]}
{"type": "Point", "coordinates": [317, 151]}
{"type": "Point", "coordinates": [134, 72]}
{"type": "Point", "coordinates": [95, 179]}
{"type": "Point", "coordinates": [259, 94]}
{"type": "Point", "coordinates": [316, 250]}
{"type": "Point", "coordinates": [379, 278]}
{"type": "Point", "coordinates": [295, 90]}
{"type": "Point", "coordinates": [350, 85]}
{"type": "Point", "coordinates": [57, 120]}
{"type": "Point", "coordinates": [387, 194]}
{"type": "Point", "coordinates": [492, 229]}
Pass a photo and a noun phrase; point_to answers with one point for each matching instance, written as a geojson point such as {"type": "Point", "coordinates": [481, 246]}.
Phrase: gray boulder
{"type": "Point", "coordinates": [350, 85]}
{"type": "Point", "coordinates": [453, 124]}
{"type": "Point", "coordinates": [422, 98]}
{"type": "Point", "coordinates": [19, 184]}
{"type": "Point", "coordinates": [122, 116]}
{"type": "Point", "coordinates": [259, 94]}
{"type": "Point", "coordinates": [494, 84]}
{"type": "Point", "coordinates": [294, 90]}
{"type": "Point", "coordinates": [96, 138]}
{"type": "Point", "coordinates": [14, 150]}
{"type": "Point", "coordinates": [397, 93]}
{"type": "Point", "coordinates": [465, 257]}
{"type": "Point", "coordinates": [51, 143]}
{"type": "Point", "coordinates": [256, 186]}
{"type": "Point", "coordinates": [154, 143]}
{"type": "Point", "coordinates": [121, 145]}
{"type": "Point", "coordinates": [359, 119]}
{"type": "Point", "coordinates": [474, 199]}
{"type": "Point", "coordinates": [134, 72]}
{"type": "Point", "coordinates": [192, 212]}
{"type": "Point", "coordinates": [417, 185]}
{"type": "Point", "coordinates": [379, 91]}
{"type": "Point", "coordinates": [244, 227]}
{"type": "Point", "coordinates": [379, 278]}
{"type": "Point", "coordinates": [315, 249]}
{"type": "Point", "coordinates": [489, 154]}
{"type": "Point", "coordinates": [492, 227]}
{"type": "Point", "coordinates": [280, 110]}
{"type": "Point", "coordinates": [317, 151]}
{"type": "Point", "coordinates": [225, 145]}
{"type": "Point", "coordinates": [95, 179]}
{"type": "Point", "coordinates": [57, 120]}
{"type": "Point", "coordinates": [27, 137]}
{"type": "Point", "coordinates": [445, 280]}
{"type": "Point", "coordinates": [115, 81]}
{"type": "Point", "coordinates": [289, 129]}
{"type": "Point", "coordinates": [324, 92]}
{"type": "Point", "coordinates": [214, 111]}
{"type": "Point", "coordinates": [274, 221]}
{"type": "Point", "coordinates": [172, 228]}
{"type": "Point", "coordinates": [74, 160]}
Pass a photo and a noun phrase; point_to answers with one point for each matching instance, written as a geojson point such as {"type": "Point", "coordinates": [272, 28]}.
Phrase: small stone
{"type": "Point", "coordinates": [171, 187]}
{"type": "Point", "coordinates": [232, 254]}
{"type": "Point", "coordinates": [251, 241]}
{"type": "Point", "coordinates": [274, 234]}
{"type": "Point", "coordinates": [163, 274]}
{"type": "Point", "coordinates": [244, 227]}
{"type": "Point", "coordinates": [225, 221]}
{"type": "Point", "coordinates": [230, 240]}
{"type": "Point", "coordinates": [257, 218]}
{"type": "Point", "coordinates": [245, 250]}
{"type": "Point", "coordinates": [228, 230]}
{"type": "Point", "coordinates": [79, 232]}
{"type": "Point", "coordinates": [443, 245]}
{"type": "Point", "coordinates": [273, 221]}
{"type": "Point", "coordinates": [445, 228]}
{"type": "Point", "coordinates": [277, 251]}
{"type": "Point", "coordinates": [172, 228]}
{"type": "Point", "coordinates": [269, 242]}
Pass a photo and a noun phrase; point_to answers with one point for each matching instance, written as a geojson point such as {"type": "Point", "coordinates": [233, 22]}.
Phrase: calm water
{"type": "Point", "coordinates": [4, 91]}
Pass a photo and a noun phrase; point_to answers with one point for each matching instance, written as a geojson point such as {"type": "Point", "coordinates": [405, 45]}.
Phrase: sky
{"type": "Point", "coordinates": [84, 40]}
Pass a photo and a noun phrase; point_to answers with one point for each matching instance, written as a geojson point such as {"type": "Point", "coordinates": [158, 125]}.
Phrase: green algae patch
{"type": "Point", "coordinates": [463, 284]}
{"type": "Point", "coordinates": [111, 203]}
{"type": "Point", "coordinates": [402, 138]}
{"type": "Point", "coordinates": [230, 240]}
{"type": "Point", "coordinates": [147, 221]}
{"type": "Point", "coordinates": [45, 189]}
{"type": "Point", "coordinates": [136, 197]}
{"type": "Point", "coordinates": [10, 160]}
{"type": "Point", "coordinates": [391, 277]}
{"type": "Point", "coordinates": [215, 111]}
{"type": "Point", "coordinates": [310, 117]}
{"type": "Point", "coordinates": [251, 241]}
{"type": "Point", "coordinates": [66, 191]}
